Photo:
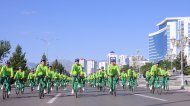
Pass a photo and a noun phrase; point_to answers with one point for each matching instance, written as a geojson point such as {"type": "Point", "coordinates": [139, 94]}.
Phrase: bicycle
{"type": "Point", "coordinates": [157, 86]}
{"type": "Point", "coordinates": [32, 84]}
{"type": "Point", "coordinates": [49, 85]}
{"type": "Point", "coordinates": [123, 83]}
{"type": "Point", "coordinates": [57, 84]}
{"type": "Point", "coordinates": [19, 89]}
{"type": "Point", "coordinates": [165, 85]}
{"type": "Point", "coordinates": [77, 87]}
{"type": "Point", "coordinates": [102, 84]}
{"type": "Point", "coordinates": [41, 86]}
{"type": "Point", "coordinates": [5, 87]}
{"type": "Point", "coordinates": [113, 85]}
{"type": "Point", "coordinates": [131, 84]}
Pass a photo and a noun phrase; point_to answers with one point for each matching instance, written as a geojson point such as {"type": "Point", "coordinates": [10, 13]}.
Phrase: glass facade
{"type": "Point", "coordinates": [158, 46]}
{"type": "Point", "coordinates": [160, 42]}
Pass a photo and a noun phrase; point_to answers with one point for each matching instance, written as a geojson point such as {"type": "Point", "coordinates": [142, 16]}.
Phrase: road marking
{"type": "Point", "coordinates": [53, 99]}
{"type": "Point", "coordinates": [151, 97]}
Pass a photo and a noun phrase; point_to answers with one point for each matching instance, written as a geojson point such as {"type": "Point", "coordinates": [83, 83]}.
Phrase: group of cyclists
{"type": "Point", "coordinates": [44, 78]}
{"type": "Point", "coordinates": [157, 77]}
{"type": "Point", "coordinates": [44, 73]}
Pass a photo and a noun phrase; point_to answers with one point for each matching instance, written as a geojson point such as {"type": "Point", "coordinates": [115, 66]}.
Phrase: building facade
{"type": "Point", "coordinates": [103, 64]}
{"type": "Point", "coordinates": [83, 62]}
{"type": "Point", "coordinates": [91, 66]}
{"type": "Point", "coordinates": [123, 60]}
{"type": "Point", "coordinates": [112, 56]}
{"type": "Point", "coordinates": [161, 42]}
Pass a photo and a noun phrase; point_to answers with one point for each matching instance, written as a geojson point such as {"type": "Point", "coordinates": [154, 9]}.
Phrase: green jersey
{"type": "Point", "coordinates": [130, 73]}
{"type": "Point", "coordinates": [19, 74]}
{"type": "Point", "coordinates": [41, 70]}
{"type": "Point", "coordinates": [31, 75]}
{"type": "Point", "coordinates": [76, 69]}
{"type": "Point", "coordinates": [7, 71]}
{"type": "Point", "coordinates": [148, 74]}
{"type": "Point", "coordinates": [155, 70]}
{"type": "Point", "coordinates": [123, 75]}
{"type": "Point", "coordinates": [113, 70]}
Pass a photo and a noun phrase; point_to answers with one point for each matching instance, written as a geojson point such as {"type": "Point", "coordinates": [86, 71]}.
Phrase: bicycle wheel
{"type": "Point", "coordinates": [16, 90]}
{"type": "Point", "coordinates": [159, 91]}
{"type": "Point", "coordinates": [56, 87]}
{"type": "Point", "coordinates": [4, 93]}
{"type": "Point", "coordinates": [40, 91]}
{"type": "Point", "coordinates": [115, 94]}
{"type": "Point", "coordinates": [76, 94]}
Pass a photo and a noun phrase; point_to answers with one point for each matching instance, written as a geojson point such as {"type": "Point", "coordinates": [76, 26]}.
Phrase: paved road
{"type": "Point", "coordinates": [92, 97]}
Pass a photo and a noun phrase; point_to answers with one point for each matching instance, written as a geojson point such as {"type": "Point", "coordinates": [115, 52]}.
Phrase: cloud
{"type": "Point", "coordinates": [29, 12]}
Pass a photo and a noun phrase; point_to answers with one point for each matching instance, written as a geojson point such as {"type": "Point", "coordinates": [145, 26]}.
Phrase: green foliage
{"type": "Point", "coordinates": [187, 70]}
{"type": "Point", "coordinates": [177, 62]}
{"type": "Point", "coordinates": [165, 63]}
{"type": "Point", "coordinates": [126, 67]}
{"type": "Point", "coordinates": [4, 49]}
{"type": "Point", "coordinates": [18, 58]}
{"type": "Point", "coordinates": [0, 67]}
{"type": "Point", "coordinates": [146, 68]}
{"type": "Point", "coordinates": [57, 66]}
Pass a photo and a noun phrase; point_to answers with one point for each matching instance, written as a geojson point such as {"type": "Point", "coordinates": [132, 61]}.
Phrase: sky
{"type": "Point", "coordinates": [84, 28]}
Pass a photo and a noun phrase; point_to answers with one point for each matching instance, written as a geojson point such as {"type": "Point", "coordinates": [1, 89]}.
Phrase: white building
{"type": "Point", "coordinates": [164, 41]}
{"type": "Point", "coordinates": [111, 56]}
{"type": "Point", "coordinates": [83, 62]}
{"type": "Point", "coordinates": [103, 64]}
{"type": "Point", "coordinates": [91, 66]}
{"type": "Point", "coordinates": [137, 61]}
{"type": "Point", "coordinates": [123, 60]}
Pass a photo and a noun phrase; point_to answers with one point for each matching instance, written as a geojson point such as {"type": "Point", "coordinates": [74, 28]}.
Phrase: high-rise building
{"type": "Point", "coordinates": [83, 62]}
{"type": "Point", "coordinates": [103, 64]}
{"type": "Point", "coordinates": [91, 66]}
{"type": "Point", "coordinates": [161, 43]}
{"type": "Point", "coordinates": [112, 56]}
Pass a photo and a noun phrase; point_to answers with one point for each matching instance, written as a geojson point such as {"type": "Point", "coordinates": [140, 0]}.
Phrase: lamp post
{"type": "Point", "coordinates": [182, 42]}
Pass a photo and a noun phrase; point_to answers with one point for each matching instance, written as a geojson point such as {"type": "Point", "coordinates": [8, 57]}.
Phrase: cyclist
{"type": "Point", "coordinates": [19, 77]}
{"type": "Point", "coordinates": [82, 78]}
{"type": "Point", "coordinates": [165, 76]}
{"type": "Point", "coordinates": [148, 76]}
{"type": "Point", "coordinates": [130, 74]}
{"type": "Point", "coordinates": [75, 72]}
{"type": "Point", "coordinates": [102, 76]}
{"type": "Point", "coordinates": [155, 71]}
{"type": "Point", "coordinates": [123, 77]}
{"type": "Point", "coordinates": [7, 74]}
{"type": "Point", "coordinates": [41, 74]}
{"type": "Point", "coordinates": [31, 78]}
{"type": "Point", "coordinates": [50, 73]}
{"type": "Point", "coordinates": [113, 72]}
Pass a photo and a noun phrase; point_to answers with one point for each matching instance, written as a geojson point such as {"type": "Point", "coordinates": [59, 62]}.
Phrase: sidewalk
{"type": "Point", "coordinates": [187, 88]}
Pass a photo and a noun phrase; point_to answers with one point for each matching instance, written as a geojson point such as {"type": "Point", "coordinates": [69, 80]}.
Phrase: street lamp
{"type": "Point", "coordinates": [182, 42]}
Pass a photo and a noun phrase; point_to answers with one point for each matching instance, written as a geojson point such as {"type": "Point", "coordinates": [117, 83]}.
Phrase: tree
{"type": "Point", "coordinates": [44, 57]}
{"type": "Point", "coordinates": [165, 63]}
{"type": "Point", "coordinates": [146, 68]}
{"type": "Point", "coordinates": [187, 70]}
{"type": "Point", "coordinates": [177, 61]}
{"type": "Point", "coordinates": [126, 67]}
{"type": "Point", "coordinates": [18, 58]}
{"type": "Point", "coordinates": [57, 66]}
{"type": "Point", "coordinates": [4, 49]}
